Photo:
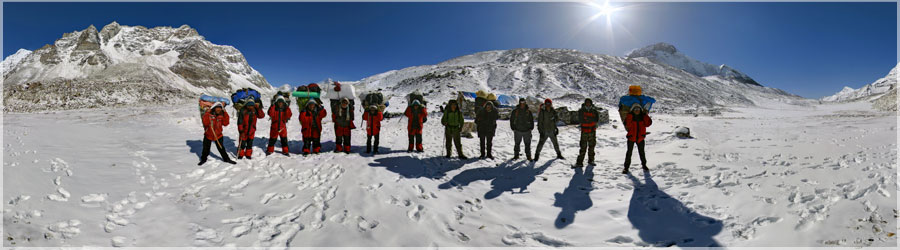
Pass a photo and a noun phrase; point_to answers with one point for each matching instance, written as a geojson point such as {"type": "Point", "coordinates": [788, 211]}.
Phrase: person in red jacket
{"type": "Point", "coordinates": [373, 118]}
{"type": "Point", "coordinates": [280, 114]}
{"type": "Point", "coordinates": [417, 115]}
{"type": "Point", "coordinates": [636, 124]}
{"type": "Point", "coordinates": [343, 123]}
{"type": "Point", "coordinates": [213, 120]}
{"type": "Point", "coordinates": [311, 123]}
{"type": "Point", "coordinates": [247, 127]}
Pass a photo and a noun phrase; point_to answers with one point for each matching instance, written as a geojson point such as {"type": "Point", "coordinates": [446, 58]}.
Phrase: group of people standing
{"type": "Point", "coordinates": [521, 122]}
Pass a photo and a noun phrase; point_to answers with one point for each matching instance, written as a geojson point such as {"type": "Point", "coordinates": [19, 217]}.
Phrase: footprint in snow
{"type": "Point", "coordinates": [416, 213]}
{"type": "Point", "coordinates": [364, 224]}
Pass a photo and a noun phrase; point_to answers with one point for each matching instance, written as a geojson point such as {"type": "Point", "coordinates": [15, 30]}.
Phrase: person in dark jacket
{"type": "Point", "coordinates": [280, 114]}
{"type": "Point", "coordinates": [522, 122]}
{"type": "Point", "coordinates": [213, 121]}
{"type": "Point", "coordinates": [636, 124]}
{"type": "Point", "coordinates": [343, 123]}
{"type": "Point", "coordinates": [486, 125]}
{"type": "Point", "coordinates": [311, 123]}
{"type": "Point", "coordinates": [373, 119]}
{"type": "Point", "coordinates": [588, 118]}
{"type": "Point", "coordinates": [247, 127]}
{"type": "Point", "coordinates": [547, 120]}
{"type": "Point", "coordinates": [453, 121]}
{"type": "Point", "coordinates": [417, 116]}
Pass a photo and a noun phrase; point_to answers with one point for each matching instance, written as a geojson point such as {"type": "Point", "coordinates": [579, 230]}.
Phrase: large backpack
{"type": "Point", "coordinates": [415, 95]}
{"type": "Point", "coordinates": [305, 93]}
{"type": "Point", "coordinates": [243, 96]}
{"type": "Point", "coordinates": [286, 96]}
{"type": "Point", "coordinates": [374, 98]}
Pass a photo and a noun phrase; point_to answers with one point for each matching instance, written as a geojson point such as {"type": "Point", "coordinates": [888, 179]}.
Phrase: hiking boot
{"type": "Point", "coordinates": [645, 168]}
{"type": "Point", "coordinates": [420, 150]}
{"type": "Point", "coordinates": [490, 157]}
{"type": "Point", "coordinates": [560, 157]}
{"type": "Point", "coordinates": [625, 171]}
{"type": "Point", "coordinates": [591, 163]}
{"type": "Point", "coordinates": [578, 165]}
{"type": "Point", "coordinates": [201, 162]}
{"type": "Point", "coordinates": [447, 156]}
{"type": "Point", "coordinates": [375, 151]}
{"type": "Point", "coordinates": [286, 151]}
{"type": "Point", "coordinates": [305, 153]}
{"type": "Point", "coordinates": [463, 157]}
{"type": "Point", "coordinates": [515, 157]}
{"type": "Point", "coordinates": [230, 161]}
{"type": "Point", "coordinates": [536, 158]}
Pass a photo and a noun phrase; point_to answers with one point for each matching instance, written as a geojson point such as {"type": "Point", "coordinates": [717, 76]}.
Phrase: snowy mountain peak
{"type": "Point", "coordinates": [173, 60]}
{"type": "Point", "coordinates": [870, 91]}
{"type": "Point", "coordinates": [667, 54]}
{"type": "Point", "coordinates": [12, 60]}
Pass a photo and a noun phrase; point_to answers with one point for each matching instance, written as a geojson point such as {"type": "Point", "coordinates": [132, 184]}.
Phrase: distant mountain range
{"type": "Point", "coordinates": [123, 65]}
{"type": "Point", "coordinates": [882, 92]}
{"type": "Point", "coordinates": [675, 79]}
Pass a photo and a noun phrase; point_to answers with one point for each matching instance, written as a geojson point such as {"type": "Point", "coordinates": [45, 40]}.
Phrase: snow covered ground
{"type": "Point", "coordinates": [778, 176]}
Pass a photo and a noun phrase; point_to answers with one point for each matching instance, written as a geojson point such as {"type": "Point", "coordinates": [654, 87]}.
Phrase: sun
{"type": "Point", "coordinates": [603, 9]}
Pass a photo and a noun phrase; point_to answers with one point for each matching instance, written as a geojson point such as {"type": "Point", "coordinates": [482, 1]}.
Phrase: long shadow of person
{"type": "Point", "coordinates": [411, 167]}
{"type": "Point", "coordinates": [513, 178]}
{"type": "Point", "coordinates": [664, 221]}
{"type": "Point", "coordinates": [469, 176]}
{"type": "Point", "coordinates": [504, 177]}
{"type": "Point", "coordinates": [576, 197]}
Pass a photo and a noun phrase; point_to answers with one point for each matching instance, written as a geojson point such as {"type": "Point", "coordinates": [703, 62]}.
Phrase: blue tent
{"type": "Point", "coordinates": [507, 100]}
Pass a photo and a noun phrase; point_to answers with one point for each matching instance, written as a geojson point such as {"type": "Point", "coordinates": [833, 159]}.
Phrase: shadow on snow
{"type": "Point", "coordinates": [576, 197]}
{"type": "Point", "coordinates": [412, 167]}
{"type": "Point", "coordinates": [664, 221]}
{"type": "Point", "coordinates": [504, 177]}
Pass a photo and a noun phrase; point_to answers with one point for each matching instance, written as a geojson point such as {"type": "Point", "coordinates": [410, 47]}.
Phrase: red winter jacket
{"type": "Point", "coordinates": [343, 121]}
{"type": "Point", "coordinates": [416, 120]}
{"type": "Point", "coordinates": [212, 125]}
{"type": "Point", "coordinates": [247, 126]}
{"type": "Point", "coordinates": [311, 122]}
{"type": "Point", "coordinates": [279, 121]}
{"type": "Point", "coordinates": [373, 122]}
{"type": "Point", "coordinates": [637, 130]}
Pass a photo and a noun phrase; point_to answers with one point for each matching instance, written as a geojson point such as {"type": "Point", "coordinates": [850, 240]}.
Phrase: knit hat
{"type": "Point", "coordinates": [634, 90]}
{"type": "Point", "coordinates": [548, 101]}
{"type": "Point", "coordinates": [521, 100]}
{"type": "Point", "coordinates": [588, 100]}
{"type": "Point", "coordinates": [345, 100]}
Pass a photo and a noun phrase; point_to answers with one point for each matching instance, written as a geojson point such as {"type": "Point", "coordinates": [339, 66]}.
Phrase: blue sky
{"type": "Point", "coordinates": [809, 49]}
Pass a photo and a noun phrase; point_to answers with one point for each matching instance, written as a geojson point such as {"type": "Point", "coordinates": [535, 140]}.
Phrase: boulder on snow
{"type": "Point", "coordinates": [682, 132]}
